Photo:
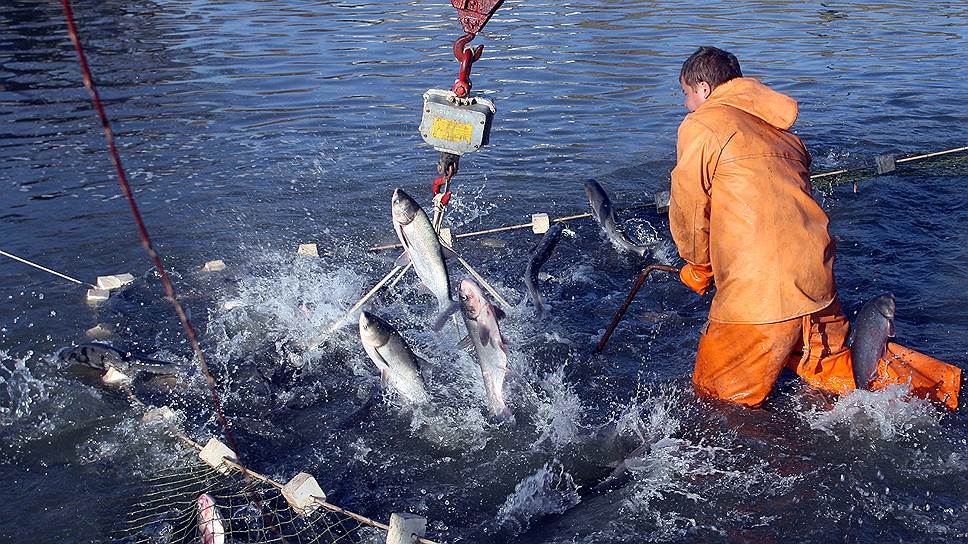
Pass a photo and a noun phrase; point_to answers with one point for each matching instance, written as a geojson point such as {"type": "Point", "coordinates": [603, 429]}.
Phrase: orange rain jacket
{"type": "Point", "coordinates": [741, 202]}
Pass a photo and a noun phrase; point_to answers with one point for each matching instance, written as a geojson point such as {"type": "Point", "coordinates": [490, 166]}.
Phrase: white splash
{"type": "Point", "coordinates": [550, 490]}
{"type": "Point", "coordinates": [19, 390]}
{"type": "Point", "coordinates": [557, 410]}
{"type": "Point", "coordinates": [889, 414]}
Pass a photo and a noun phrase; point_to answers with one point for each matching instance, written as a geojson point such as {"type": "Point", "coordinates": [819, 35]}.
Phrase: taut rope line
{"type": "Point", "coordinates": [142, 230]}
{"type": "Point", "coordinates": [35, 265]}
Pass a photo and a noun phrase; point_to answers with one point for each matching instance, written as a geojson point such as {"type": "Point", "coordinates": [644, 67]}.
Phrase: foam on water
{"type": "Point", "coordinates": [686, 474]}
{"type": "Point", "coordinates": [133, 446]}
{"type": "Point", "coordinates": [889, 414]}
{"type": "Point", "coordinates": [300, 295]}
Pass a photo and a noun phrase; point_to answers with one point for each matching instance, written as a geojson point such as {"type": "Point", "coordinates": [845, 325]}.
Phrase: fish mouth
{"type": "Point", "coordinates": [401, 208]}
{"type": "Point", "coordinates": [369, 332]}
{"type": "Point", "coordinates": [887, 306]}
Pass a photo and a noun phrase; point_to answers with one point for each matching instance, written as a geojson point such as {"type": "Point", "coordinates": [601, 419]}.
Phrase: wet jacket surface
{"type": "Point", "coordinates": [742, 203]}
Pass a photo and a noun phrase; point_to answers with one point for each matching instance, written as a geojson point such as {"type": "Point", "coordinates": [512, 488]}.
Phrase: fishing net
{"type": "Point", "coordinates": [165, 510]}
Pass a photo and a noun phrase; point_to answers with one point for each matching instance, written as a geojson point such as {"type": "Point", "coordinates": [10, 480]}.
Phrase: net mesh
{"type": "Point", "coordinates": [166, 510]}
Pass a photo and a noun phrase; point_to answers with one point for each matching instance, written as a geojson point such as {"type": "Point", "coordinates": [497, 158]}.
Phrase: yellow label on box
{"type": "Point", "coordinates": [450, 130]}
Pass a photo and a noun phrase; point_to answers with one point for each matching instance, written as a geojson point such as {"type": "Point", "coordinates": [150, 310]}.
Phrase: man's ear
{"type": "Point", "coordinates": [703, 89]}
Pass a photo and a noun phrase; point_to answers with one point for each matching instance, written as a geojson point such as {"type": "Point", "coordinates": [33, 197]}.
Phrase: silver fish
{"type": "Point", "coordinates": [104, 357]}
{"type": "Point", "coordinates": [480, 317]}
{"type": "Point", "coordinates": [604, 214]}
{"type": "Point", "coordinates": [868, 337]}
{"type": "Point", "coordinates": [398, 365]}
{"type": "Point", "coordinates": [422, 247]}
{"type": "Point", "coordinates": [211, 527]}
{"type": "Point", "coordinates": [538, 258]}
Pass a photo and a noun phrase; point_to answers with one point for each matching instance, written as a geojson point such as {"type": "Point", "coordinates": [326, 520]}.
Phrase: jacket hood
{"type": "Point", "coordinates": [751, 96]}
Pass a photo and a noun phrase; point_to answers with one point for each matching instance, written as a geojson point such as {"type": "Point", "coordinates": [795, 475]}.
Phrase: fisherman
{"type": "Point", "coordinates": [742, 214]}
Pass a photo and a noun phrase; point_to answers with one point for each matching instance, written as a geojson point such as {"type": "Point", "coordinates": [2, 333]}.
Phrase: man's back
{"type": "Point", "coordinates": [741, 192]}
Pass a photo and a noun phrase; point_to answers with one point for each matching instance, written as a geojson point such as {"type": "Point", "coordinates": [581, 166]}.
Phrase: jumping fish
{"type": "Point", "coordinates": [480, 317]}
{"type": "Point", "coordinates": [868, 337]}
{"type": "Point", "coordinates": [397, 363]}
{"type": "Point", "coordinates": [604, 214]}
{"type": "Point", "coordinates": [211, 528]}
{"type": "Point", "coordinates": [422, 248]}
{"type": "Point", "coordinates": [107, 358]}
{"type": "Point", "coordinates": [538, 258]}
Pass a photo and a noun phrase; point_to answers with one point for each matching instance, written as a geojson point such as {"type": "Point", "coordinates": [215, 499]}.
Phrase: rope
{"type": "Point", "coordinates": [315, 341]}
{"type": "Point", "coordinates": [142, 230]}
{"type": "Point", "coordinates": [896, 161]}
{"type": "Point", "coordinates": [251, 474]}
{"type": "Point", "coordinates": [928, 155]}
{"type": "Point", "coordinates": [484, 283]}
{"type": "Point", "coordinates": [35, 265]}
{"type": "Point", "coordinates": [586, 215]}
{"type": "Point", "coordinates": [518, 226]}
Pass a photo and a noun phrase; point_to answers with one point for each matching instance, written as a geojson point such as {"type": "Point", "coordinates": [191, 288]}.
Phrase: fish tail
{"type": "Point", "coordinates": [501, 416]}
{"type": "Point", "coordinates": [641, 250]}
{"type": "Point", "coordinates": [444, 314]}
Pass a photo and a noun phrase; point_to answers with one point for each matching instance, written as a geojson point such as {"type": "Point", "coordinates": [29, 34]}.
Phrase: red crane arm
{"type": "Point", "coordinates": [474, 14]}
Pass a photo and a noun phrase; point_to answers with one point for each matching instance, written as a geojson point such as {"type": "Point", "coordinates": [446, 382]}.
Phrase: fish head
{"type": "Point", "coordinates": [206, 506]}
{"type": "Point", "coordinates": [403, 208]}
{"type": "Point", "coordinates": [886, 305]}
{"type": "Point", "coordinates": [555, 230]}
{"type": "Point", "coordinates": [374, 332]}
{"type": "Point", "coordinates": [89, 355]}
{"type": "Point", "coordinates": [472, 298]}
{"type": "Point", "coordinates": [73, 354]}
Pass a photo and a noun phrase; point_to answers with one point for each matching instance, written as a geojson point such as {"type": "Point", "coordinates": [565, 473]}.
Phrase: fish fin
{"type": "Point", "coordinates": [380, 362]}
{"type": "Point", "coordinates": [423, 289]}
{"type": "Point", "coordinates": [403, 259]}
{"type": "Point", "coordinates": [499, 313]}
{"type": "Point", "coordinates": [485, 336]}
{"type": "Point", "coordinates": [539, 305]}
{"type": "Point", "coordinates": [501, 418]}
{"type": "Point", "coordinates": [504, 345]}
{"type": "Point", "coordinates": [890, 331]}
{"type": "Point", "coordinates": [465, 343]}
{"type": "Point", "coordinates": [444, 314]}
{"type": "Point", "coordinates": [420, 363]}
{"type": "Point", "coordinates": [447, 251]}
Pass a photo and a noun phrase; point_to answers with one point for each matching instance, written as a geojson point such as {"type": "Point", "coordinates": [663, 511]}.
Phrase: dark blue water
{"type": "Point", "coordinates": [250, 127]}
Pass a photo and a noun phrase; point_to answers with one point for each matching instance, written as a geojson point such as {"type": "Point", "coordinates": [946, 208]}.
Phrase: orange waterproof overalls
{"type": "Point", "coordinates": [742, 211]}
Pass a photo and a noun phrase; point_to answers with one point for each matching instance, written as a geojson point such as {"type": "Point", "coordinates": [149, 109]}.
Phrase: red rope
{"type": "Point", "coordinates": [142, 231]}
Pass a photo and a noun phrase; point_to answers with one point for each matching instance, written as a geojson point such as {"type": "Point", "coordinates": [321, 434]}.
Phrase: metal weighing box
{"type": "Point", "coordinates": [456, 125]}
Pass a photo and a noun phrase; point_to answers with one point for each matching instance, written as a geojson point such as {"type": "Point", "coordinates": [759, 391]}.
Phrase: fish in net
{"type": "Point", "coordinates": [197, 504]}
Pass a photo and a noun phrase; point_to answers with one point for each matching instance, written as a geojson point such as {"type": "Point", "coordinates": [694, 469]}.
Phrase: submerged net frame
{"type": "Point", "coordinates": [252, 507]}
{"type": "Point", "coordinates": [250, 510]}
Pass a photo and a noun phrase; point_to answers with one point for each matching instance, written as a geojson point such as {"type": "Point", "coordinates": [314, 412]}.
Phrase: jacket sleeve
{"type": "Point", "coordinates": [697, 154]}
